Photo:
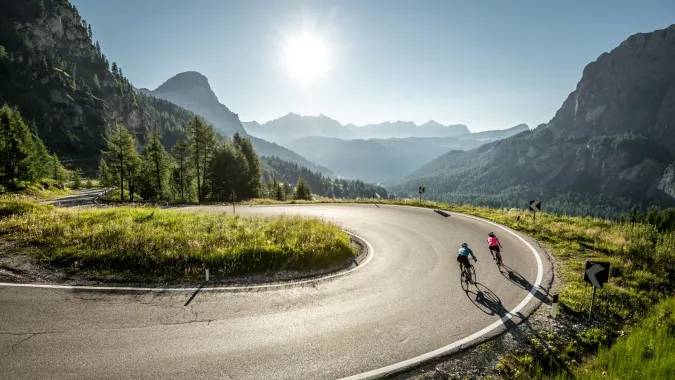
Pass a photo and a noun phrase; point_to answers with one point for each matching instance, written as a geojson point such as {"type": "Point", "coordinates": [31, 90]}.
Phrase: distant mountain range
{"type": "Point", "coordinates": [388, 160]}
{"type": "Point", "coordinates": [293, 126]}
{"type": "Point", "coordinates": [610, 145]}
{"type": "Point", "coordinates": [323, 144]}
{"type": "Point", "coordinates": [192, 91]}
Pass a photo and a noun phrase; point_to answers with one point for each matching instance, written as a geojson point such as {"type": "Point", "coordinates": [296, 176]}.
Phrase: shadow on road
{"type": "Point", "coordinates": [441, 212]}
{"type": "Point", "coordinates": [194, 295]}
{"type": "Point", "coordinates": [516, 278]}
{"type": "Point", "coordinates": [489, 303]}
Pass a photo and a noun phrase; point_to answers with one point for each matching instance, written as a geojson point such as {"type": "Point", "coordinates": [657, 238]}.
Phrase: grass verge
{"type": "Point", "coordinates": [45, 190]}
{"type": "Point", "coordinates": [648, 352]}
{"type": "Point", "coordinates": [151, 241]}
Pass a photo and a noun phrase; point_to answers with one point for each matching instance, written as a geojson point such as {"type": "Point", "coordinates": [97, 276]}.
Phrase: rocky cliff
{"type": "Point", "coordinates": [58, 77]}
{"type": "Point", "coordinates": [613, 135]}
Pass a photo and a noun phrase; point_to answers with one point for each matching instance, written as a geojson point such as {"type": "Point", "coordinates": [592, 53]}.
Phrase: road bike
{"type": "Point", "coordinates": [464, 280]}
{"type": "Point", "coordinates": [498, 257]}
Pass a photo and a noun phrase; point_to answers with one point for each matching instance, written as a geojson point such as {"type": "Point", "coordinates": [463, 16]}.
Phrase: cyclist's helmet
{"type": "Point", "coordinates": [464, 245]}
{"type": "Point", "coordinates": [491, 234]}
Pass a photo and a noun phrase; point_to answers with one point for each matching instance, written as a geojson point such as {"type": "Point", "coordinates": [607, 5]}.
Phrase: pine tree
{"type": "Point", "coordinates": [97, 84]}
{"type": "Point", "coordinates": [253, 165]}
{"type": "Point", "coordinates": [279, 193]}
{"type": "Point", "coordinates": [201, 143]}
{"type": "Point", "coordinates": [40, 163]}
{"type": "Point", "coordinates": [104, 175]}
{"type": "Point", "coordinates": [77, 178]}
{"type": "Point", "coordinates": [653, 216]}
{"type": "Point", "coordinates": [179, 153]}
{"type": "Point", "coordinates": [98, 48]}
{"type": "Point", "coordinates": [56, 168]}
{"type": "Point", "coordinates": [227, 172]}
{"type": "Point", "coordinates": [157, 165]}
{"type": "Point", "coordinates": [17, 147]}
{"type": "Point", "coordinates": [121, 153]}
{"type": "Point", "coordinates": [302, 190]}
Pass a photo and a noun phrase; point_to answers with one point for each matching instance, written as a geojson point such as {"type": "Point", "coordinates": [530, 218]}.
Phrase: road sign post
{"type": "Point", "coordinates": [590, 310]}
{"type": "Point", "coordinates": [554, 306]}
{"type": "Point", "coordinates": [596, 274]}
{"type": "Point", "coordinates": [421, 191]}
{"type": "Point", "coordinates": [232, 196]}
{"type": "Point", "coordinates": [535, 206]}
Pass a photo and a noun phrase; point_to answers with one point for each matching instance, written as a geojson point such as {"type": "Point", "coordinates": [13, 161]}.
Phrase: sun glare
{"type": "Point", "coordinates": [306, 58]}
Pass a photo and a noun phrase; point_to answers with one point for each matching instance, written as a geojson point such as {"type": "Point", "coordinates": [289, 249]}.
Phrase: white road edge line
{"type": "Point", "coordinates": [439, 352]}
{"type": "Point", "coordinates": [371, 253]}
{"type": "Point", "coordinates": [376, 372]}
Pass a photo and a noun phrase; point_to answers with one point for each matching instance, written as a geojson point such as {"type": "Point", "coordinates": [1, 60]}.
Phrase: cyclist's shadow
{"type": "Point", "coordinates": [518, 279]}
{"type": "Point", "coordinates": [488, 302]}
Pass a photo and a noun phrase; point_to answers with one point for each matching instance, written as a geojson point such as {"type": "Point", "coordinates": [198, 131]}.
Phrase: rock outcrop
{"type": "Point", "coordinates": [613, 136]}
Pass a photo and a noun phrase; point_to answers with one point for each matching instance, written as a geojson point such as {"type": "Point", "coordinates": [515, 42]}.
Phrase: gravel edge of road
{"type": "Point", "coordinates": [18, 265]}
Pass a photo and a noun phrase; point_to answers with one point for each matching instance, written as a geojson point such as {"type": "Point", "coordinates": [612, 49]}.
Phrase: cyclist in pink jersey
{"type": "Point", "coordinates": [494, 245]}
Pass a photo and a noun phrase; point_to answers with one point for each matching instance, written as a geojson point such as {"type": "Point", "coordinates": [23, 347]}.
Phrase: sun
{"type": "Point", "coordinates": [306, 57]}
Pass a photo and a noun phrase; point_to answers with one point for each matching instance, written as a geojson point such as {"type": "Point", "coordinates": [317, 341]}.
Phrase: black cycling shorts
{"type": "Point", "coordinates": [495, 248]}
{"type": "Point", "coordinates": [464, 260]}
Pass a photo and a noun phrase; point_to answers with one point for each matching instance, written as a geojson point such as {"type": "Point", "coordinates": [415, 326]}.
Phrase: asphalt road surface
{"type": "Point", "coordinates": [404, 303]}
{"type": "Point", "coordinates": [81, 198]}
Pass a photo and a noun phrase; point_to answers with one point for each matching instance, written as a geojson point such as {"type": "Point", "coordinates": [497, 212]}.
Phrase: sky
{"type": "Point", "coordinates": [487, 64]}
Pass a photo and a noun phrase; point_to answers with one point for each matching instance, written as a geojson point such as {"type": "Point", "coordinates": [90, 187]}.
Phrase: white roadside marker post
{"type": "Point", "coordinates": [207, 274]}
{"type": "Point", "coordinates": [554, 307]}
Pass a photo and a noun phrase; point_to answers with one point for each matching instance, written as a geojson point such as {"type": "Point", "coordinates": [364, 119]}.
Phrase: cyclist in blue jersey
{"type": "Point", "coordinates": [463, 258]}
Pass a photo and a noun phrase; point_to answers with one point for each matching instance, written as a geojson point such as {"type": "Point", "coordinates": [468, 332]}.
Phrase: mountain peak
{"type": "Point", "coordinates": [186, 80]}
{"type": "Point", "coordinates": [432, 123]}
{"type": "Point", "coordinates": [191, 90]}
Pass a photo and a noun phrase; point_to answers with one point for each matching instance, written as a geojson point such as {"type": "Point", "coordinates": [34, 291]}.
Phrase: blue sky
{"type": "Point", "coordinates": [487, 64]}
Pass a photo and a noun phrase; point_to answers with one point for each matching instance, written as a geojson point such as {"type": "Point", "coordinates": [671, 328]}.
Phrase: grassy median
{"type": "Point", "coordinates": [151, 241]}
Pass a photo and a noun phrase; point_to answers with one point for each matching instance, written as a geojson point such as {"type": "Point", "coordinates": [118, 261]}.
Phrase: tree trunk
{"type": "Point", "coordinates": [159, 178]}
{"type": "Point", "coordinates": [199, 186]}
{"type": "Point", "coordinates": [121, 178]}
{"type": "Point", "coordinates": [182, 194]}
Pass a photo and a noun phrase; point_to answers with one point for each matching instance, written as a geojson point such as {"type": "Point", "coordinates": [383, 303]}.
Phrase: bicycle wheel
{"type": "Point", "coordinates": [473, 273]}
{"type": "Point", "coordinates": [499, 259]}
{"type": "Point", "coordinates": [462, 278]}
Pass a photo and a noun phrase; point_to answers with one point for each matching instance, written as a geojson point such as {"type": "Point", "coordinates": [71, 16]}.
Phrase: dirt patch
{"type": "Point", "coordinates": [21, 265]}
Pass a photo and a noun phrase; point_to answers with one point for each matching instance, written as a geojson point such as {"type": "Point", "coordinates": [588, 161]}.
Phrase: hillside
{"type": "Point", "coordinates": [371, 160]}
{"type": "Point", "coordinates": [268, 149]}
{"type": "Point", "coordinates": [63, 83]}
{"type": "Point", "coordinates": [608, 146]}
{"type": "Point", "coordinates": [283, 171]}
{"type": "Point", "coordinates": [387, 160]}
